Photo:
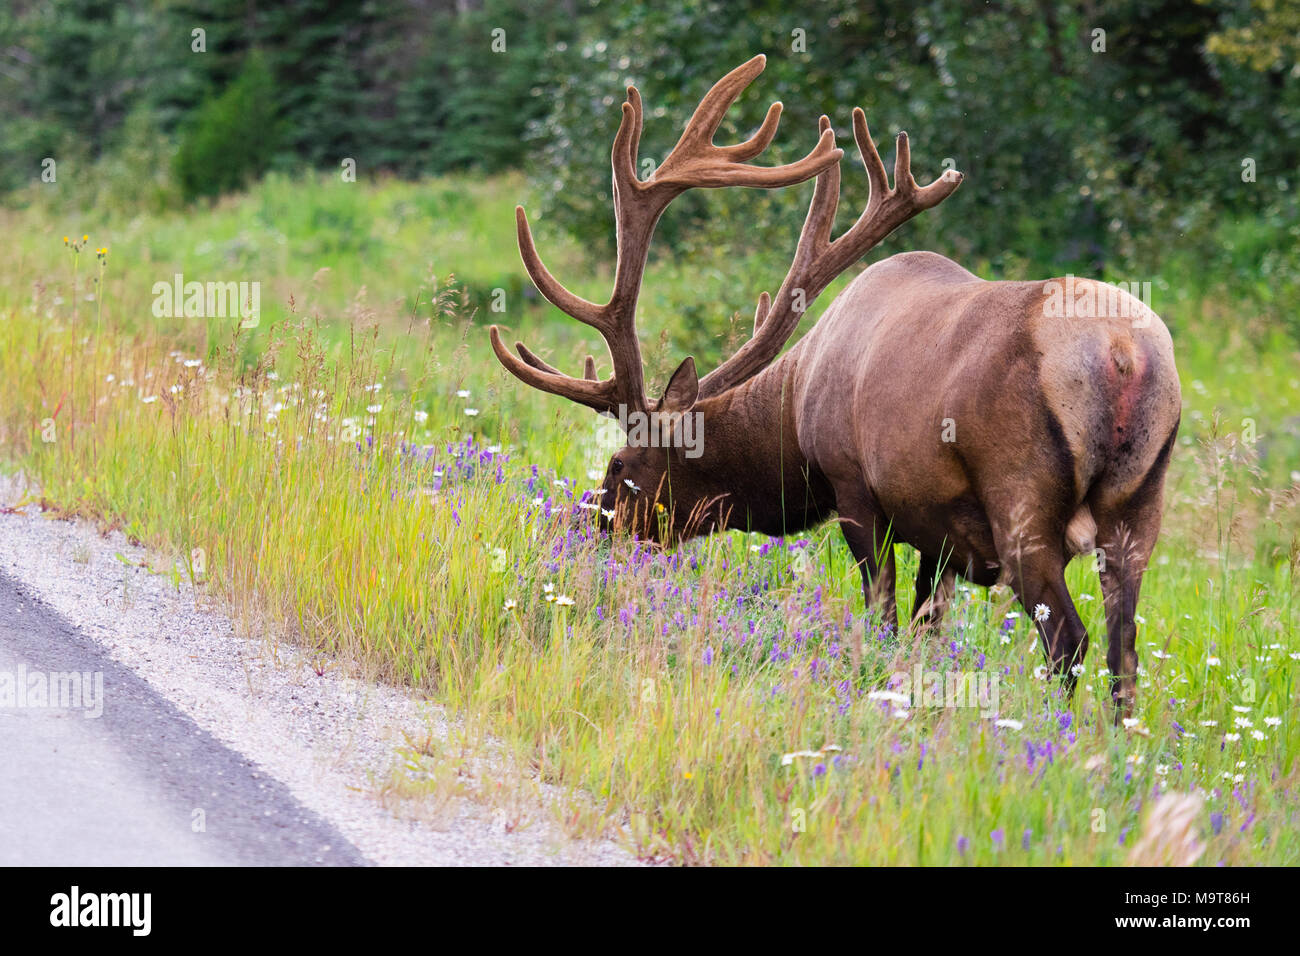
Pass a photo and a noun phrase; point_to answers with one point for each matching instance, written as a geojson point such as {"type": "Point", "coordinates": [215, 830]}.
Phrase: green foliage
{"type": "Point", "coordinates": [1095, 139]}
{"type": "Point", "coordinates": [233, 136]}
{"type": "Point", "coordinates": [1081, 149]}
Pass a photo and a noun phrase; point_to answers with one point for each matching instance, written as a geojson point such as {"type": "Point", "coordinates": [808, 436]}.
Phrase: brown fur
{"type": "Point", "coordinates": [1056, 420]}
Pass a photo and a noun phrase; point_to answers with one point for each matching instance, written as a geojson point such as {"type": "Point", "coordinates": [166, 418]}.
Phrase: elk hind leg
{"type": "Point", "coordinates": [1127, 536]}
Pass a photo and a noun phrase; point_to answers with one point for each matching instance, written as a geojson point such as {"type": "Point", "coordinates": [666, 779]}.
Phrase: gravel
{"type": "Point", "coordinates": [333, 740]}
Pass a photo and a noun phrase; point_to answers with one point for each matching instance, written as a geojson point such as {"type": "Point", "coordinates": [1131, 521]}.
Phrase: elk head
{"type": "Point", "coordinates": [703, 455]}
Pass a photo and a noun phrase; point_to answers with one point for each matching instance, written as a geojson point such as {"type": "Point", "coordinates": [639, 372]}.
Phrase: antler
{"type": "Point", "coordinates": [818, 260]}
{"type": "Point", "coordinates": [638, 204]}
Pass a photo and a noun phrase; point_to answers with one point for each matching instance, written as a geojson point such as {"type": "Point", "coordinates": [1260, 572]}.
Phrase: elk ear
{"type": "Point", "coordinates": [683, 388]}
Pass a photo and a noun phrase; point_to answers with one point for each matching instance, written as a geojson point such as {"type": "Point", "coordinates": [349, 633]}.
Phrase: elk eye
{"type": "Point", "coordinates": [618, 465]}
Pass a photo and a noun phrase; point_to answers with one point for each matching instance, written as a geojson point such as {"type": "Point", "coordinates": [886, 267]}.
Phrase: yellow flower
{"type": "Point", "coordinates": [85, 238]}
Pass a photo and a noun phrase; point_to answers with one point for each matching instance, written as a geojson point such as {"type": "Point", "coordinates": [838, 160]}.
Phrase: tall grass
{"type": "Point", "coordinates": [358, 477]}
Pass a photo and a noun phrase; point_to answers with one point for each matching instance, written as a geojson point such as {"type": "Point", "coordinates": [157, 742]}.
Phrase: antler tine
{"type": "Point", "coordinates": [627, 141]}
{"type": "Point", "coordinates": [876, 177]}
{"type": "Point", "coordinates": [704, 122]}
{"type": "Point", "coordinates": [550, 287]}
{"type": "Point", "coordinates": [600, 395]}
{"type": "Point", "coordinates": [695, 161]}
{"type": "Point", "coordinates": [818, 260]}
{"type": "Point", "coordinates": [761, 140]}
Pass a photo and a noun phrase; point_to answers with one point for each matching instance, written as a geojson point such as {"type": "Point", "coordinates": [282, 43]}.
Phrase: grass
{"type": "Point", "coordinates": [358, 476]}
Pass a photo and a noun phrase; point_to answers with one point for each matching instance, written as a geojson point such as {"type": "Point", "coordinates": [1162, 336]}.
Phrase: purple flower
{"type": "Point", "coordinates": [998, 837]}
{"type": "Point", "coordinates": [708, 656]}
{"type": "Point", "coordinates": [1027, 838]}
{"type": "Point", "coordinates": [1216, 822]}
{"type": "Point", "coordinates": [963, 844]}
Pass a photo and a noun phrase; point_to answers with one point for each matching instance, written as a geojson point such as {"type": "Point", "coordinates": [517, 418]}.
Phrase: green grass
{"type": "Point", "coordinates": [668, 686]}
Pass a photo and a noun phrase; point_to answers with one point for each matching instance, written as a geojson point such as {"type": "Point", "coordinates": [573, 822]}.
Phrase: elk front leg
{"type": "Point", "coordinates": [868, 537]}
{"type": "Point", "coordinates": [935, 588]}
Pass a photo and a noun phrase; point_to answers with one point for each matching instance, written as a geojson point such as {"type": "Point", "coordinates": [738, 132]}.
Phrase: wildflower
{"type": "Point", "coordinates": [564, 601]}
{"type": "Point", "coordinates": [510, 604]}
{"type": "Point", "coordinates": [471, 412]}
{"type": "Point", "coordinates": [1273, 721]}
{"type": "Point", "coordinates": [1232, 737]}
{"type": "Point", "coordinates": [1009, 724]}
{"type": "Point", "coordinates": [1212, 662]}
{"type": "Point", "coordinates": [1042, 612]}
{"type": "Point", "coordinates": [892, 696]}
{"type": "Point", "coordinates": [1258, 734]}
{"type": "Point", "coordinates": [421, 416]}
{"type": "Point", "coordinates": [787, 759]}
{"type": "Point", "coordinates": [463, 393]}
{"type": "Point", "coordinates": [193, 363]}
{"type": "Point", "coordinates": [636, 489]}
{"type": "Point", "coordinates": [708, 656]}
{"type": "Point", "coordinates": [1242, 722]}
{"type": "Point", "coordinates": [149, 399]}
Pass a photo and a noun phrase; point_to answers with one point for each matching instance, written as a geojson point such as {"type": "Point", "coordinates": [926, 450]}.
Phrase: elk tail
{"type": "Point", "coordinates": [1081, 532]}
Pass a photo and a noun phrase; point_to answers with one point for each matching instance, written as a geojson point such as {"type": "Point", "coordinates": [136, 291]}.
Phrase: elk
{"type": "Point", "coordinates": [979, 422]}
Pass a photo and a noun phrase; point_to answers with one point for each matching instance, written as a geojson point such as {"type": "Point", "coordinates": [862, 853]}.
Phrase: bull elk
{"type": "Point", "coordinates": [971, 419]}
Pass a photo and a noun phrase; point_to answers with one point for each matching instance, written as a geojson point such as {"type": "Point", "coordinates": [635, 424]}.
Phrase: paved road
{"type": "Point", "coordinates": [123, 788]}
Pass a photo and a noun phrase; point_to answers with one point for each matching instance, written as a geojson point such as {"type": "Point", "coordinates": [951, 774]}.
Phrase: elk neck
{"type": "Point", "coordinates": [750, 461]}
